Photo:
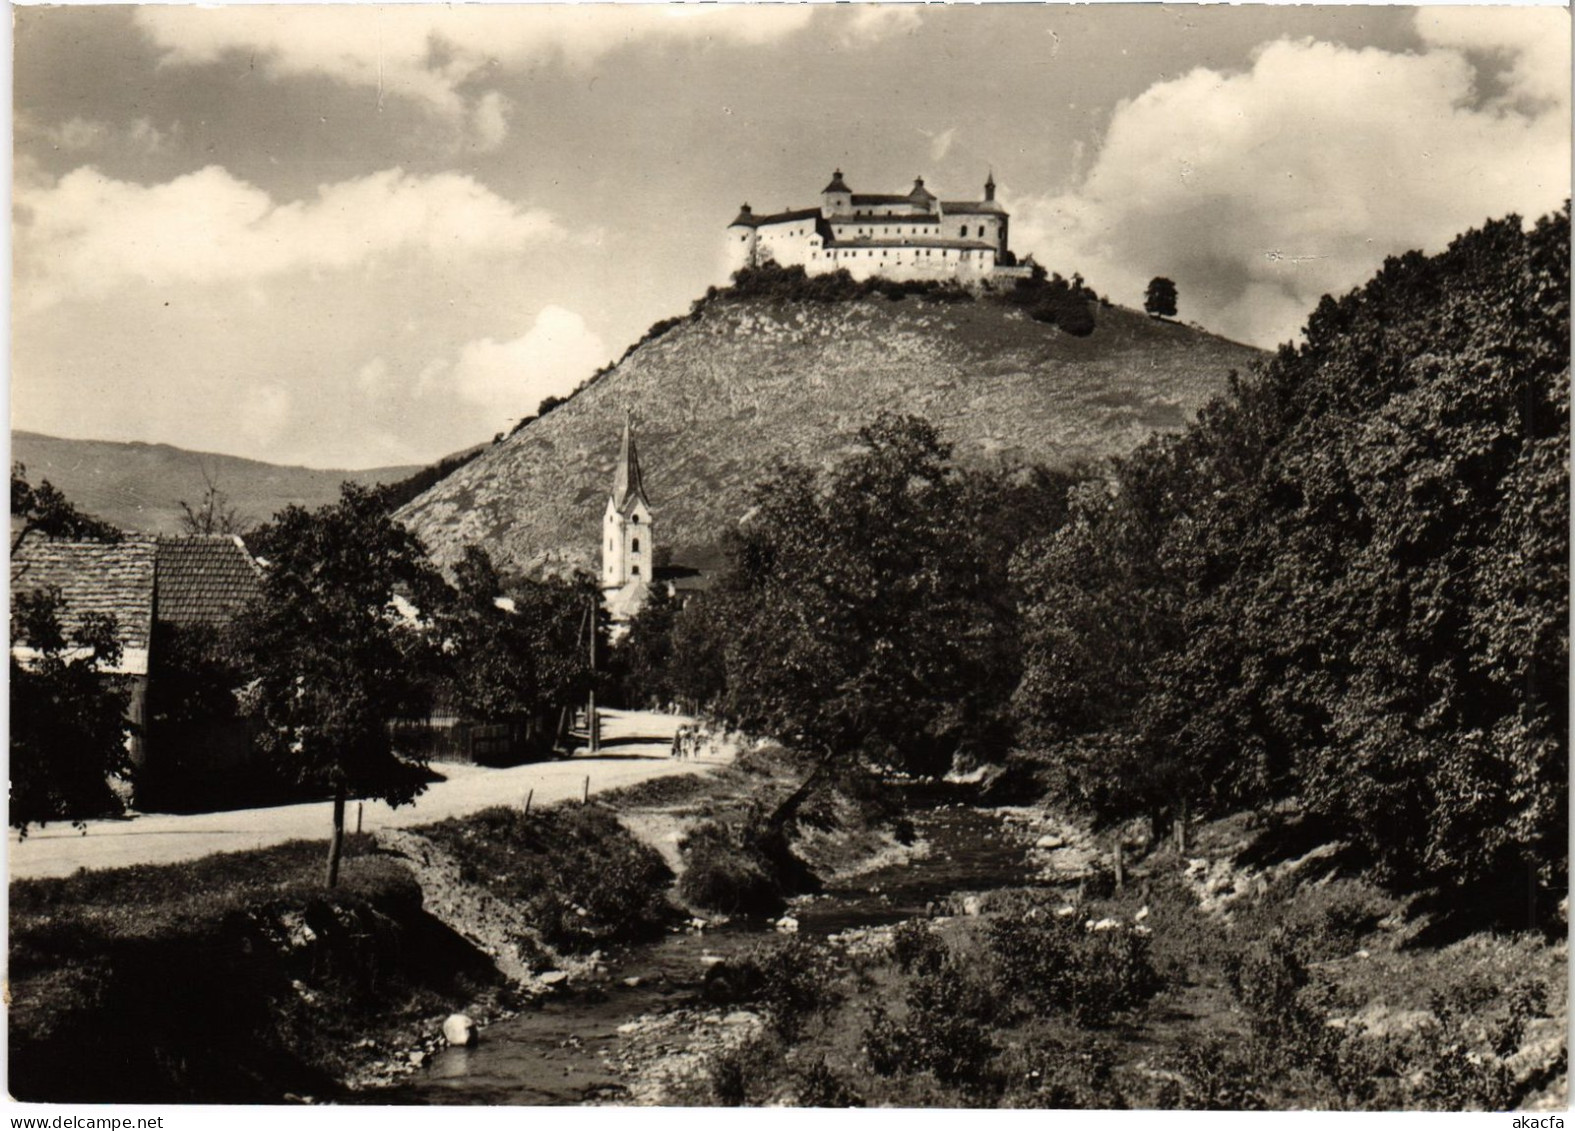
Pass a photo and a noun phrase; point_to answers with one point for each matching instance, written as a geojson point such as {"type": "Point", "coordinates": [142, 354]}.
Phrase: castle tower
{"type": "Point", "coordinates": [627, 546]}
{"type": "Point", "coordinates": [836, 199]}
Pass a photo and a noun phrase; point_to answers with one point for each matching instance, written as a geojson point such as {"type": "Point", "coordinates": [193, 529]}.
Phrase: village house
{"type": "Point", "coordinates": [913, 235]}
{"type": "Point", "coordinates": [155, 589]}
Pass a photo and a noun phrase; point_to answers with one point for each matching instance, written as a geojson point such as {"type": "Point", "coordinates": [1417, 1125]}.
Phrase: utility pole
{"type": "Point", "coordinates": [591, 725]}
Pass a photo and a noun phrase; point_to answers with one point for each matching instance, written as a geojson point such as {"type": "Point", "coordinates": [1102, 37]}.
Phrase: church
{"type": "Point", "coordinates": [628, 549]}
{"type": "Point", "coordinates": [915, 235]}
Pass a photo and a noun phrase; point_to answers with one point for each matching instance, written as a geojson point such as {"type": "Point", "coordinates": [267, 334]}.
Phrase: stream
{"type": "Point", "coordinates": [566, 1049]}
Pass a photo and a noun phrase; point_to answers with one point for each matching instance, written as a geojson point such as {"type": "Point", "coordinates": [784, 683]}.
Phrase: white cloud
{"type": "Point", "coordinates": [87, 234]}
{"type": "Point", "coordinates": [77, 134]}
{"type": "Point", "coordinates": [489, 121]}
{"type": "Point", "coordinates": [429, 52]}
{"type": "Point", "coordinates": [941, 143]}
{"type": "Point", "coordinates": [870, 23]}
{"type": "Point", "coordinates": [1259, 192]}
{"type": "Point", "coordinates": [511, 378]}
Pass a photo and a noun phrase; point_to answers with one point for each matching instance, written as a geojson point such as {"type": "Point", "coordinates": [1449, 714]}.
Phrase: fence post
{"type": "Point", "coordinates": [530, 793]}
{"type": "Point", "coordinates": [585, 795]}
{"type": "Point", "coordinates": [359, 805]}
{"type": "Point", "coordinates": [1121, 872]}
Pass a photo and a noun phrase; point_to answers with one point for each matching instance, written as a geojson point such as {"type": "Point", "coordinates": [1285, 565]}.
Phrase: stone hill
{"type": "Point", "coordinates": [720, 397]}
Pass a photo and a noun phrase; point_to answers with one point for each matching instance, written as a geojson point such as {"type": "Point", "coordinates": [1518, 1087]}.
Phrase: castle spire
{"type": "Point", "coordinates": [627, 487]}
{"type": "Point", "coordinates": [989, 186]}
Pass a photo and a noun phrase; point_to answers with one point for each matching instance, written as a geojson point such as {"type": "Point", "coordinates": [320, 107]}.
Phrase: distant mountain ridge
{"type": "Point", "coordinates": [139, 486]}
{"type": "Point", "coordinates": [722, 396]}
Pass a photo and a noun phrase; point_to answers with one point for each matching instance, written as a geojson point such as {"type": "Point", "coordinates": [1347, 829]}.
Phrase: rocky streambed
{"type": "Point", "coordinates": [640, 1027]}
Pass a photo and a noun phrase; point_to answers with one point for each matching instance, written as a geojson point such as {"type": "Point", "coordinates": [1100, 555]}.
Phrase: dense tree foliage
{"type": "Point", "coordinates": [871, 612]}
{"type": "Point", "coordinates": [44, 510]}
{"type": "Point", "coordinates": [513, 660]}
{"type": "Point", "coordinates": [1160, 298]}
{"type": "Point", "coordinates": [332, 655]}
{"type": "Point", "coordinates": [68, 714]}
{"type": "Point", "coordinates": [1348, 582]}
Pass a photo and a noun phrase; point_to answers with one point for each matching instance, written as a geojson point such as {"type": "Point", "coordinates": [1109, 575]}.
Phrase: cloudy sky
{"type": "Point", "coordinates": [353, 236]}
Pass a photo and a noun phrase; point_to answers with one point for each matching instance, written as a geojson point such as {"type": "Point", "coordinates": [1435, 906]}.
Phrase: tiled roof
{"type": "Point", "coordinates": [972, 206]}
{"type": "Point", "coordinates": [205, 579]}
{"type": "Point", "coordinates": [785, 217]}
{"type": "Point", "coordinates": [920, 241]}
{"type": "Point", "coordinates": [93, 577]}
{"type": "Point", "coordinates": [837, 184]}
{"type": "Point", "coordinates": [883, 218]}
{"type": "Point", "coordinates": [881, 198]}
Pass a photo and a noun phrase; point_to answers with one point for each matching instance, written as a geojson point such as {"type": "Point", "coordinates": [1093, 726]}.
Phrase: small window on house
{"type": "Point", "coordinates": [963, 231]}
{"type": "Point", "coordinates": [636, 546]}
{"type": "Point", "coordinates": [634, 571]}
{"type": "Point", "coordinates": [634, 518]}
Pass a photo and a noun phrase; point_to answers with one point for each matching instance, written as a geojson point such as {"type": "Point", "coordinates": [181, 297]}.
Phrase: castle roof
{"type": "Point", "coordinates": [865, 241]}
{"type": "Point", "coordinates": [837, 184]}
{"type": "Point", "coordinates": [780, 217]}
{"type": "Point", "coordinates": [881, 198]}
{"type": "Point", "coordinates": [627, 487]}
{"type": "Point", "coordinates": [963, 207]}
{"type": "Point", "coordinates": [885, 218]}
{"type": "Point", "coordinates": [919, 191]}
{"type": "Point", "coordinates": [746, 218]}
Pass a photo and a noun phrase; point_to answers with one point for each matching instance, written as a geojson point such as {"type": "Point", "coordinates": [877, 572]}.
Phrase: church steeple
{"type": "Point", "coordinates": [628, 546]}
{"type": "Point", "coordinates": [627, 487]}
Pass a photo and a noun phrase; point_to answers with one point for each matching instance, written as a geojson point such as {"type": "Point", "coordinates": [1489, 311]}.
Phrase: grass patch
{"type": "Point", "coordinates": [235, 978]}
{"type": "Point", "coordinates": [585, 879]}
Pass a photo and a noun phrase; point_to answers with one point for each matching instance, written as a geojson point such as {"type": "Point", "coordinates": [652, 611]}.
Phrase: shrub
{"type": "Point", "coordinates": [947, 1031]}
{"type": "Point", "coordinates": [819, 1086]}
{"type": "Point", "coordinates": [1215, 1076]}
{"type": "Point", "coordinates": [726, 870]}
{"type": "Point", "coordinates": [798, 981]}
{"type": "Point", "coordinates": [585, 879]}
{"type": "Point", "coordinates": [1055, 964]}
{"type": "Point", "coordinates": [1054, 1074]}
{"type": "Point", "coordinates": [917, 949]}
{"type": "Point", "coordinates": [745, 1072]}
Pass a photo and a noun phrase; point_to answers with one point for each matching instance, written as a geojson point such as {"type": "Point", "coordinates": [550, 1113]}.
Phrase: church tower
{"type": "Point", "coordinates": [627, 546]}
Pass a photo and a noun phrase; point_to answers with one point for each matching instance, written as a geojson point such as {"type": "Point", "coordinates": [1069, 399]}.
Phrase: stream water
{"type": "Point", "coordinates": [565, 1051]}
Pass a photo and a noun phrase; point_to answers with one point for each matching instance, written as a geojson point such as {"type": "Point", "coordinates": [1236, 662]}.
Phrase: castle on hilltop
{"type": "Point", "coordinates": [912, 236]}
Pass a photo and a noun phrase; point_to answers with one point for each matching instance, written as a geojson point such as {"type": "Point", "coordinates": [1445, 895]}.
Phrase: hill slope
{"type": "Point", "coordinates": [719, 398]}
{"type": "Point", "coordinates": [139, 486]}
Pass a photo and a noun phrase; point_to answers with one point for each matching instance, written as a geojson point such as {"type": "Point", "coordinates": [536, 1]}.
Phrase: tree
{"type": "Point", "coordinates": [515, 662]}
{"type": "Point", "coordinates": [68, 714]}
{"type": "Point", "coordinates": [872, 613]}
{"type": "Point", "coordinates": [213, 514]}
{"type": "Point", "coordinates": [44, 510]}
{"type": "Point", "coordinates": [1160, 300]}
{"type": "Point", "coordinates": [335, 657]}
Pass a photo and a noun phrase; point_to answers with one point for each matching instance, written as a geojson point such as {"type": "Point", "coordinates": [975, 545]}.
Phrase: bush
{"type": "Point", "coordinates": [1054, 1074]}
{"type": "Point", "coordinates": [725, 871]}
{"type": "Point", "coordinates": [1054, 964]}
{"type": "Point", "coordinates": [819, 1086]}
{"type": "Point", "coordinates": [798, 980]}
{"type": "Point", "coordinates": [947, 1030]}
{"type": "Point", "coordinates": [586, 880]}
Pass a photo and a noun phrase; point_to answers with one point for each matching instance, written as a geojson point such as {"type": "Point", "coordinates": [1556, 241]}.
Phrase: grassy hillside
{"type": "Point", "coordinates": [720, 397]}
{"type": "Point", "coordinates": [139, 486]}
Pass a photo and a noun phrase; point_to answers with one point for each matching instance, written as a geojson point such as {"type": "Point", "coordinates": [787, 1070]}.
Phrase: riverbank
{"type": "Point", "coordinates": [946, 954]}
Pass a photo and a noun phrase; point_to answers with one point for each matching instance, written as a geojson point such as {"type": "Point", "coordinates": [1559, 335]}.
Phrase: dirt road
{"type": "Point", "coordinates": [637, 745]}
